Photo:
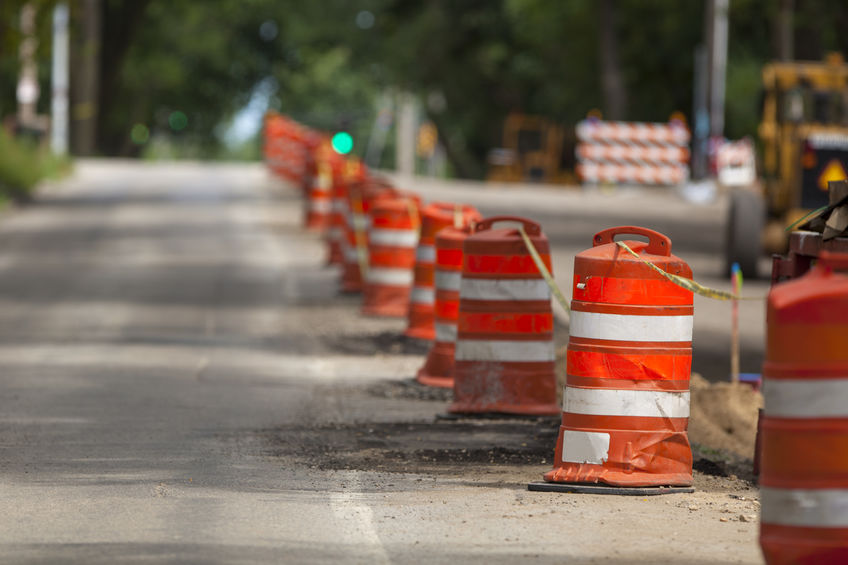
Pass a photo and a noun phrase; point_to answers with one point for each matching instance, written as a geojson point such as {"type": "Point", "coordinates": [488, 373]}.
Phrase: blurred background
{"type": "Point", "coordinates": [192, 79]}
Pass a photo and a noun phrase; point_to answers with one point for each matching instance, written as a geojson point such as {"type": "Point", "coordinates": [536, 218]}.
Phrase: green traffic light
{"type": "Point", "coordinates": [342, 143]}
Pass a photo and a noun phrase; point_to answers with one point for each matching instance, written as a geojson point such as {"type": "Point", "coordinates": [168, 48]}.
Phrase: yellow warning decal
{"type": "Point", "coordinates": [831, 172]}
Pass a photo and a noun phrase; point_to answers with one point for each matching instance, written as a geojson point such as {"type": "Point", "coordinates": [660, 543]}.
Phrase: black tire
{"type": "Point", "coordinates": [745, 223]}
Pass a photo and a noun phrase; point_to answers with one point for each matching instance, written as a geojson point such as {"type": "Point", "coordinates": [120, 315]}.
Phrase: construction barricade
{"type": "Point", "coordinates": [353, 171]}
{"type": "Point", "coordinates": [392, 240]}
{"type": "Point", "coordinates": [632, 152]}
{"type": "Point", "coordinates": [434, 217]}
{"type": "Point", "coordinates": [504, 358]}
{"type": "Point", "coordinates": [804, 435]}
{"type": "Point", "coordinates": [625, 408]}
{"type": "Point", "coordinates": [318, 205]}
{"type": "Point", "coordinates": [355, 244]}
{"type": "Point", "coordinates": [438, 367]}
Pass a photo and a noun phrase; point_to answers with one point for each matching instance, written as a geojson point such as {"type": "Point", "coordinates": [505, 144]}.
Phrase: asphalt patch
{"type": "Point", "coordinates": [438, 447]}
{"type": "Point", "coordinates": [389, 343]}
{"type": "Point", "coordinates": [409, 389]}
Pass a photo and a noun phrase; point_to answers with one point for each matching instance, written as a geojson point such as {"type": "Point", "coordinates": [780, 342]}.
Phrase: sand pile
{"type": "Point", "coordinates": [724, 416]}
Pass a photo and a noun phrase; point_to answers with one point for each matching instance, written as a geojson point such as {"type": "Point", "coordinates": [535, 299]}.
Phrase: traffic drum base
{"type": "Point", "coordinates": [603, 489]}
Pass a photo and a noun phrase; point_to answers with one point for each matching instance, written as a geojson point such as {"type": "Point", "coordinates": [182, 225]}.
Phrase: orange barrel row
{"type": "Point", "coordinates": [804, 434]}
{"type": "Point", "coordinates": [438, 367]}
{"type": "Point", "coordinates": [361, 196]}
{"type": "Point", "coordinates": [392, 241]}
{"type": "Point", "coordinates": [434, 217]}
{"type": "Point", "coordinates": [504, 356]}
{"type": "Point", "coordinates": [286, 147]}
{"type": "Point", "coordinates": [353, 171]}
{"type": "Point", "coordinates": [625, 407]}
{"type": "Point", "coordinates": [319, 198]}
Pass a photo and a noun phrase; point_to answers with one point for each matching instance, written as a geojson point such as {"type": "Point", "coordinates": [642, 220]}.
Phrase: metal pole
{"type": "Point", "coordinates": [718, 66]}
{"type": "Point", "coordinates": [60, 74]}
{"type": "Point", "coordinates": [405, 138]}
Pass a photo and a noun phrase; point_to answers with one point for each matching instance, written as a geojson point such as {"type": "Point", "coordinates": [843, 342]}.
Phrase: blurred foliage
{"type": "Point", "coordinates": [23, 164]}
{"type": "Point", "coordinates": [470, 63]}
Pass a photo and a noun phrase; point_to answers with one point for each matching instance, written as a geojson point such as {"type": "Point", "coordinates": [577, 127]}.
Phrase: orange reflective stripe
{"type": "Point", "coordinates": [446, 258]}
{"type": "Point", "coordinates": [494, 266]}
{"type": "Point", "coordinates": [503, 324]}
{"type": "Point", "coordinates": [615, 290]}
{"type": "Point", "coordinates": [646, 364]}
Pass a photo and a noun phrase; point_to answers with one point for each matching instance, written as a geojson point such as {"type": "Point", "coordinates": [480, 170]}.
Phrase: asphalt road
{"type": "Point", "coordinates": [180, 383]}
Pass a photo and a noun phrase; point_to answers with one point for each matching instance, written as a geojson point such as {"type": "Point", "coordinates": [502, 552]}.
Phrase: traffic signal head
{"type": "Point", "coordinates": [342, 143]}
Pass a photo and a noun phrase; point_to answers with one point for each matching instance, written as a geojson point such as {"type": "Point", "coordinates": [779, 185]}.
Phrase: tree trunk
{"type": "Point", "coordinates": [85, 75]}
{"type": "Point", "coordinates": [612, 83]}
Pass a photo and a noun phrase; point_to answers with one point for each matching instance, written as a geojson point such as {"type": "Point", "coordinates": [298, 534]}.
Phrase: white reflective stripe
{"type": "Point", "coordinates": [621, 327]}
{"type": "Point", "coordinates": [425, 254]}
{"type": "Point", "coordinates": [446, 332]}
{"type": "Point", "coordinates": [393, 238]}
{"type": "Point", "coordinates": [322, 206]}
{"type": "Point", "coordinates": [618, 402]}
{"type": "Point", "coordinates": [585, 447]}
{"type": "Point", "coordinates": [335, 232]}
{"type": "Point", "coordinates": [422, 295]}
{"type": "Point", "coordinates": [349, 253]}
{"type": "Point", "coordinates": [505, 289]}
{"type": "Point", "coordinates": [392, 277]}
{"type": "Point", "coordinates": [506, 351]}
{"type": "Point", "coordinates": [361, 222]}
{"type": "Point", "coordinates": [816, 508]}
{"type": "Point", "coordinates": [448, 280]}
{"type": "Point", "coordinates": [339, 205]}
{"type": "Point", "coordinates": [805, 398]}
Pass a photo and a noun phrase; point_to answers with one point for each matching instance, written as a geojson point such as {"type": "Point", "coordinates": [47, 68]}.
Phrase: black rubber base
{"type": "Point", "coordinates": [605, 489]}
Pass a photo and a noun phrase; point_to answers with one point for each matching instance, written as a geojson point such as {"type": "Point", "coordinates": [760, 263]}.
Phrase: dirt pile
{"type": "Point", "coordinates": [723, 416]}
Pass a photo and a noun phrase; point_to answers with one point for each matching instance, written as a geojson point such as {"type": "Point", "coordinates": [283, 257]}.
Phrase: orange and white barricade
{"type": "Point", "coordinates": [625, 408]}
{"type": "Point", "coordinates": [361, 195]}
{"type": "Point", "coordinates": [319, 199]}
{"type": "Point", "coordinates": [434, 217]}
{"type": "Point", "coordinates": [504, 358]}
{"type": "Point", "coordinates": [632, 152]}
{"type": "Point", "coordinates": [804, 434]}
{"type": "Point", "coordinates": [353, 171]}
{"type": "Point", "coordinates": [438, 367]}
{"type": "Point", "coordinates": [392, 241]}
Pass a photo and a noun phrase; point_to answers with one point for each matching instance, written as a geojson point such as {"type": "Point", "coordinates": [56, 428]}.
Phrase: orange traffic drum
{"type": "Point", "coordinates": [504, 358]}
{"type": "Point", "coordinates": [804, 434]}
{"type": "Point", "coordinates": [438, 367]}
{"type": "Point", "coordinates": [625, 408]}
{"type": "Point", "coordinates": [434, 217]}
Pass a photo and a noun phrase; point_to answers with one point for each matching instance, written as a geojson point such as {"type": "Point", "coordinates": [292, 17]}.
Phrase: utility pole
{"type": "Point", "coordinates": [405, 134]}
{"type": "Point", "coordinates": [718, 64]}
{"type": "Point", "coordinates": [59, 99]}
{"type": "Point", "coordinates": [785, 32]}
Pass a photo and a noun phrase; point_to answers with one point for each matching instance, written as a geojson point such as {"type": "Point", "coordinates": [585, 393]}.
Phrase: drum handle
{"type": "Point", "coordinates": [531, 227]}
{"type": "Point", "coordinates": [658, 244]}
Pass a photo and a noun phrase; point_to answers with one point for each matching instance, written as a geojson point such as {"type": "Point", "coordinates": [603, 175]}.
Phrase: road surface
{"type": "Point", "coordinates": [180, 382]}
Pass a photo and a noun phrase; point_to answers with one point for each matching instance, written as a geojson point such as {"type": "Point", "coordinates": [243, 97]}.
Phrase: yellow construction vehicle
{"type": "Point", "coordinates": [804, 144]}
{"type": "Point", "coordinates": [534, 149]}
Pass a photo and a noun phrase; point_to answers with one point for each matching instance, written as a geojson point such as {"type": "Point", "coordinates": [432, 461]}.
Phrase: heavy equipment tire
{"type": "Point", "coordinates": [743, 237]}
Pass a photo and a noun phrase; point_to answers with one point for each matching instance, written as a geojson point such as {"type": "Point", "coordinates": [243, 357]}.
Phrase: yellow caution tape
{"type": "Point", "coordinates": [457, 216]}
{"type": "Point", "coordinates": [544, 270]}
{"type": "Point", "coordinates": [689, 284]}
